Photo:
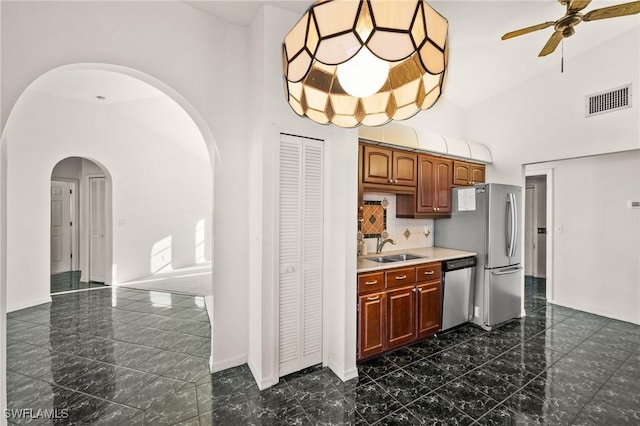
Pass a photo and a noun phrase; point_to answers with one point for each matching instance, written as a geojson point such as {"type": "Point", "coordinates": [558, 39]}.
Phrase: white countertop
{"type": "Point", "coordinates": [429, 254]}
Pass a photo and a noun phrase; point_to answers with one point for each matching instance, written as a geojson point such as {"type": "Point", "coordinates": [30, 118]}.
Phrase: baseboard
{"type": "Point", "coordinates": [590, 311]}
{"type": "Point", "coordinates": [28, 305]}
{"type": "Point", "coordinates": [227, 363]}
{"type": "Point", "coordinates": [263, 383]}
{"type": "Point", "coordinates": [344, 375]}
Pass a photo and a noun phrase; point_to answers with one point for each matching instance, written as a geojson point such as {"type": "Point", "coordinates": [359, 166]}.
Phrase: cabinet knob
{"type": "Point", "coordinates": [390, 180]}
{"type": "Point", "coordinates": [395, 181]}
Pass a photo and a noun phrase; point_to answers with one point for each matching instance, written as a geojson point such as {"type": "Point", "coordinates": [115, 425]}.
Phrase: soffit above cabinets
{"type": "Point", "coordinates": [421, 140]}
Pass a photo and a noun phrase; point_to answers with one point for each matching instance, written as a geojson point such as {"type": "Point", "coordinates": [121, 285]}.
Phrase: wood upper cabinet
{"type": "Point", "coordinates": [404, 168]}
{"type": "Point", "coordinates": [401, 316]}
{"type": "Point", "coordinates": [429, 310]}
{"type": "Point", "coordinates": [386, 166]}
{"type": "Point", "coordinates": [434, 185]}
{"type": "Point", "coordinates": [372, 324]}
{"type": "Point", "coordinates": [467, 173]}
{"type": "Point", "coordinates": [377, 164]}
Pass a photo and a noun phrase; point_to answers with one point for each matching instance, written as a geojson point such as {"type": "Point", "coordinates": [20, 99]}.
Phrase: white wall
{"type": "Point", "coordinates": [597, 236]}
{"type": "Point", "coordinates": [544, 119]}
{"type": "Point", "coordinates": [196, 56]}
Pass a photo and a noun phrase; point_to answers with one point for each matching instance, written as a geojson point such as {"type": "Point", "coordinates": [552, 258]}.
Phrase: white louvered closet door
{"type": "Point", "coordinates": [300, 253]}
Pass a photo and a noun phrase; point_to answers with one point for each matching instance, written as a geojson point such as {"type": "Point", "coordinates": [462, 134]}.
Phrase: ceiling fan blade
{"type": "Point", "coordinates": [613, 11]}
{"type": "Point", "coordinates": [577, 5]}
{"type": "Point", "coordinates": [527, 30]}
{"type": "Point", "coordinates": [551, 45]}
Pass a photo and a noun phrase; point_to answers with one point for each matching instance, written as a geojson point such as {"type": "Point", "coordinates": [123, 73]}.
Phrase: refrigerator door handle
{"type": "Point", "coordinates": [507, 271]}
{"type": "Point", "coordinates": [507, 226]}
{"type": "Point", "coordinates": [512, 224]}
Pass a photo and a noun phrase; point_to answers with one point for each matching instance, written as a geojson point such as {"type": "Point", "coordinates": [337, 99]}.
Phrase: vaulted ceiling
{"type": "Point", "coordinates": [481, 64]}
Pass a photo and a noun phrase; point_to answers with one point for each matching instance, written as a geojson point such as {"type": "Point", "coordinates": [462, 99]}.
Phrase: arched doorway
{"type": "Point", "coordinates": [81, 225]}
{"type": "Point", "coordinates": [154, 144]}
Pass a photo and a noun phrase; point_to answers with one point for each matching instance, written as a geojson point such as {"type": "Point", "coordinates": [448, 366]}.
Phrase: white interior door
{"type": "Point", "coordinates": [300, 253]}
{"type": "Point", "coordinates": [529, 231]}
{"type": "Point", "coordinates": [97, 226]}
{"type": "Point", "coordinates": [61, 234]}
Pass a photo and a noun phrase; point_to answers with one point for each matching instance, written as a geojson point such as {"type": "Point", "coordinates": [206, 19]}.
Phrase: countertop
{"type": "Point", "coordinates": [429, 254]}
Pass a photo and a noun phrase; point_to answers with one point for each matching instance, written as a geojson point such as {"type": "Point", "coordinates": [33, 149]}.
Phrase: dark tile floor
{"type": "Point", "coordinates": [68, 281]}
{"type": "Point", "coordinates": [109, 356]}
{"type": "Point", "coordinates": [124, 358]}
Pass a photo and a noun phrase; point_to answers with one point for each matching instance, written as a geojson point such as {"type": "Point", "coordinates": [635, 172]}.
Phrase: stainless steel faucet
{"type": "Point", "coordinates": [381, 244]}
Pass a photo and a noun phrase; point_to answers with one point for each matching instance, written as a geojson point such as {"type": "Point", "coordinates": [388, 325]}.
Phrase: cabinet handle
{"type": "Point", "coordinates": [371, 282]}
{"type": "Point", "coordinates": [429, 272]}
{"type": "Point", "coordinates": [395, 181]}
{"type": "Point", "coordinates": [419, 290]}
{"type": "Point", "coordinates": [390, 180]}
{"type": "Point", "coordinates": [401, 277]}
{"type": "Point", "coordinates": [371, 299]}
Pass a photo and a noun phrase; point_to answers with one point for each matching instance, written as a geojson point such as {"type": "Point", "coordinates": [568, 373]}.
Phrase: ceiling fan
{"type": "Point", "coordinates": [564, 27]}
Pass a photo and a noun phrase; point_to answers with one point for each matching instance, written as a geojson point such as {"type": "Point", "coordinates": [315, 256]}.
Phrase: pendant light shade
{"type": "Point", "coordinates": [350, 62]}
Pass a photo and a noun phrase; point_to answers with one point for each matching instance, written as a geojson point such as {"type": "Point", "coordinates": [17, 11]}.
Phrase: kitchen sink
{"type": "Point", "coordinates": [395, 258]}
{"type": "Point", "coordinates": [383, 259]}
{"type": "Point", "coordinates": [405, 256]}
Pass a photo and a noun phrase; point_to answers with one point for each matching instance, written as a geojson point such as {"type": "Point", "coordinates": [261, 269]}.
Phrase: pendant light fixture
{"type": "Point", "coordinates": [351, 62]}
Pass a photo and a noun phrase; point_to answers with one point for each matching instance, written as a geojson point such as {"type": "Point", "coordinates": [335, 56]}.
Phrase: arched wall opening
{"type": "Point", "coordinates": [81, 225]}
{"type": "Point", "coordinates": [154, 146]}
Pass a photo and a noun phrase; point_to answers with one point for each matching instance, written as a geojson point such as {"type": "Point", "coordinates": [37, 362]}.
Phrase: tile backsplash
{"type": "Point", "coordinates": [397, 228]}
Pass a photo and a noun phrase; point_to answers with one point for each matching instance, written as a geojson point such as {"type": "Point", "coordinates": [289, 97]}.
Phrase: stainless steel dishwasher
{"type": "Point", "coordinates": [457, 303]}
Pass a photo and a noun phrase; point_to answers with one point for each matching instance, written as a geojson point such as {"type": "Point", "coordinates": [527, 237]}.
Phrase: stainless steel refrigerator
{"type": "Point", "coordinates": [487, 219]}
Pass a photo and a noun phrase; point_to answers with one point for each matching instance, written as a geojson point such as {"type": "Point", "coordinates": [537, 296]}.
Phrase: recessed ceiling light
{"type": "Point", "coordinates": [100, 98]}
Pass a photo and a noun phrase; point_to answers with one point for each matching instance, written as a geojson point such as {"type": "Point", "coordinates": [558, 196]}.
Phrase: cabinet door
{"type": "Point", "coordinates": [400, 317]}
{"type": "Point", "coordinates": [477, 173]}
{"type": "Point", "coordinates": [404, 168]}
{"type": "Point", "coordinates": [429, 308]}
{"type": "Point", "coordinates": [442, 178]}
{"type": "Point", "coordinates": [371, 324]}
{"type": "Point", "coordinates": [377, 164]}
{"type": "Point", "coordinates": [425, 202]}
{"type": "Point", "coordinates": [461, 173]}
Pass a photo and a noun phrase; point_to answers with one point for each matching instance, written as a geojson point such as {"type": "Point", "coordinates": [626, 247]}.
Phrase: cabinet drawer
{"type": "Point", "coordinates": [429, 272]}
{"type": "Point", "coordinates": [370, 282]}
{"type": "Point", "coordinates": [400, 277]}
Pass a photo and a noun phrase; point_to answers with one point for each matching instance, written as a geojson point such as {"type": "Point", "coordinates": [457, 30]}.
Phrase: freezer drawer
{"type": "Point", "coordinates": [503, 294]}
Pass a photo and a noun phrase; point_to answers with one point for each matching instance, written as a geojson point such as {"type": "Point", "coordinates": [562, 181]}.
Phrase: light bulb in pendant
{"type": "Point", "coordinates": [364, 74]}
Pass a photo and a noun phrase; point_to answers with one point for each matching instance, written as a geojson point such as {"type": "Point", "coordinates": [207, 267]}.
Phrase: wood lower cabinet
{"type": "Point", "coordinates": [372, 318]}
{"type": "Point", "coordinates": [401, 309]}
{"type": "Point", "coordinates": [429, 308]}
{"type": "Point", "coordinates": [397, 306]}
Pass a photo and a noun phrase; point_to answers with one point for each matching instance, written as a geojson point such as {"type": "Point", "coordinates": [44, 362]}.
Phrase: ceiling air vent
{"type": "Point", "coordinates": [611, 100]}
